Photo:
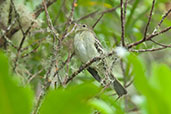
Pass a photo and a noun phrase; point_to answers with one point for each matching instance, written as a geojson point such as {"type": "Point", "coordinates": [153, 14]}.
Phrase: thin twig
{"type": "Point", "coordinates": [40, 9]}
{"type": "Point", "coordinates": [62, 66]}
{"type": "Point", "coordinates": [70, 20]}
{"type": "Point", "coordinates": [49, 22]}
{"type": "Point", "coordinates": [164, 45]}
{"type": "Point", "coordinates": [33, 76]}
{"type": "Point", "coordinates": [158, 33]}
{"type": "Point", "coordinates": [20, 46]}
{"type": "Point", "coordinates": [72, 30]}
{"type": "Point", "coordinates": [33, 51]}
{"type": "Point", "coordinates": [149, 37]}
{"type": "Point", "coordinates": [8, 40]}
{"type": "Point", "coordinates": [97, 20]}
{"type": "Point", "coordinates": [34, 43]}
{"type": "Point", "coordinates": [87, 16]}
{"type": "Point", "coordinates": [84, 66]}
{"type": "Point", "coordinates": [127, 85]}
{"type": "Point", "coordinates": [97, 13]}
{"type": "Point", "coordinates": [109, 10]}
{"type": "Point", "coordinates": [149, 50]}
{"type": "Point", "coordinates": [149, 20]}
{"type": "Point", "coordinates": [50, 25]}
{"type": "Point", "coordinates": [161, 21]}
{"type": "Point", "coordinates": [10, 13]}
{"type": "Point", "coordinates": [122, 23]}
{"type": "Point", "coordinates": [18, 17]}
{"type": "Point", "coordinates": [125, 7]}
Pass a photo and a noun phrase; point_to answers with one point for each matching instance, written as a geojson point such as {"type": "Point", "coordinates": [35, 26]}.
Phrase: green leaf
{"type": "Point", "coordinates": [72, 100]}
{"type": "Point", "coordinates": [101, 106]}
{"type": "Point", "coordinates": [161, 81]}
{"type": "Point", "coordinates": [140, 79]}
{"type": "Point", "coordinates": [156, 88]}
{"type": "Point", "coordinates": [13, 98]}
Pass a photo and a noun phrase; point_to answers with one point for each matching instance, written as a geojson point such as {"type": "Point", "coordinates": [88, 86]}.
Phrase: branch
{"type": "Point", "coordinates": [10, 32]}
{"type": "Point", "coordinates": [70, 20]}
{"type": "Point", "coordinates": [41, 8]}
{"type": "Point", "coordinates": [158, 33]}
{"type": "Point", "coordinates": [84, 66]}
{"type": "Point", "coordinates": [97, 20]}
{"type": "Point", "coordinates": [122, 23]}
{"type": "Point", "coordinates": [148, 38]}
{"type": "Point", "coordinates": [161, 21]}
{"type": "Point", "coordinates": [96, 13]}
{"type": "Point", "coordinates": [18, 17]}
{"type": "Point", "coordinates": [87, 16]}
{"type": "Point", "coordinates": [150, 50]}
{"type": "Point", "coordinates": [8, 40]}
{"type": "Point", "coordinates": [50, 25]}
{"type": "Point", "coordinates": [164, 45]}
{"type": "Point", "coordinates": [102, 14]}
{"type": "Point", "coordinates": [149, 20]}
{"type": "Point", "coordinates": [49, 22]}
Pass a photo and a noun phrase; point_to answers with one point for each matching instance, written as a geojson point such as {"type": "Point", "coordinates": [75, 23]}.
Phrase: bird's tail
{"type": "Point", "coordinates": [120, 90]}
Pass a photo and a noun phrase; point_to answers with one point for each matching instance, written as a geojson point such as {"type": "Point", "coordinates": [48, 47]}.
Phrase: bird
{"type": "Point", "coordinates": [87, 46]}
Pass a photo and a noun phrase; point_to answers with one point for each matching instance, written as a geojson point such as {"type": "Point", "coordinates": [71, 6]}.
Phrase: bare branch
{"type": "Point", "coordinates": [149, 20]}
{"type": "Point", "coordinates": [97, 20]}
{"type": "Point", "coordinates": [148, 38]}
{"type": "Point", "coordinates": [84, 66]}
{"type": "Point", "coordinates": [150, 50]}
{"type": "Point", "coordinates": [49, 22]}
{"type": "Point", "coordinates": [161, 21]}
{"type": "Point", "coordinates": [33, 51]}
{"type": "Point", "coordinates": [87, 16]}
{"type": "Point", "coordinates": [96, 13]}
{"type": "Point", "coordinates": [33, 76]}
{"type": "Point", "coordinates": [122, 23]}
{"type": "Point", "coordinates": [158, 33]}
{"type": "Point", "coordinates": [18, 17]}
{"type": "Point", "coordinates": [70, 20]}
{"type": "Point", "coordinates": [164, 45]}
{"type": "Point", "coordinates": [8, 40]}
{"type": "Point", "coordinates": [10, 14]}
{"type": "Point", "coordinates": [166, 14]}
{"type": "Point", "coordinates": [41, 8]}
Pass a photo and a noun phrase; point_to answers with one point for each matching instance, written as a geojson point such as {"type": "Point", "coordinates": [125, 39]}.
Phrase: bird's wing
{"type": "Point", "coordinates": [94, 73]}
{"type": "Point", "coordinates": [98, 46]}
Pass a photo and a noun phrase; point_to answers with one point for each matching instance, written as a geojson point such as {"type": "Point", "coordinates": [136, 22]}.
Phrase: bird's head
{"type": "Point", "coordinates": [82, 27]}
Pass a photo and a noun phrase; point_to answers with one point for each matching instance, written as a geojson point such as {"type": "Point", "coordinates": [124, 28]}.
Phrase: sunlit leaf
{"type": "Point", "coordinates": [14, 99]}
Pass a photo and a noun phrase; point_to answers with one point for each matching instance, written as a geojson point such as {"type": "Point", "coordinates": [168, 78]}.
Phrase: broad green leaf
{"type": "Point", "coordinates": [101, 106]}
{"type": "Point", "coordinates": [72, 100]}
{"type": "Point", "coordinates": [155, 89]}
{"type": "Point", "coordinates": [140, 79]}
{"type": "Point", "coordinates": [14, 99]}
{"type": "Point", "coordinates": [161, 81]}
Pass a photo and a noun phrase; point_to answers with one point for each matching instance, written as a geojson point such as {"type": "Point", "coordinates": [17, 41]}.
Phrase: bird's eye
{"type": "Point", "coordinates": [84, 25]}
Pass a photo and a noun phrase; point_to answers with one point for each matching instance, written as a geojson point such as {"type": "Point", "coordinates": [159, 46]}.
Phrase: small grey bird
{"type": "Point", "coordinates": [87, 46]}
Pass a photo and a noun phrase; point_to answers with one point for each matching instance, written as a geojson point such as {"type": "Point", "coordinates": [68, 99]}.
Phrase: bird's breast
{"type": "Point", "coordinates": [84, 46]}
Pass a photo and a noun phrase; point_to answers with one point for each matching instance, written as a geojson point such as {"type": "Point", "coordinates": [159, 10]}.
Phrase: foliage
{"type": "Point", "coordinates": [37, 62]}
{"type": "Point", "coordinates": [81, 98]}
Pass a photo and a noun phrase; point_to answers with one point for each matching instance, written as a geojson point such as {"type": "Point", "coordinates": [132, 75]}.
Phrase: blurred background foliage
{"type": "Point", "coordinates": [149, 94]}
